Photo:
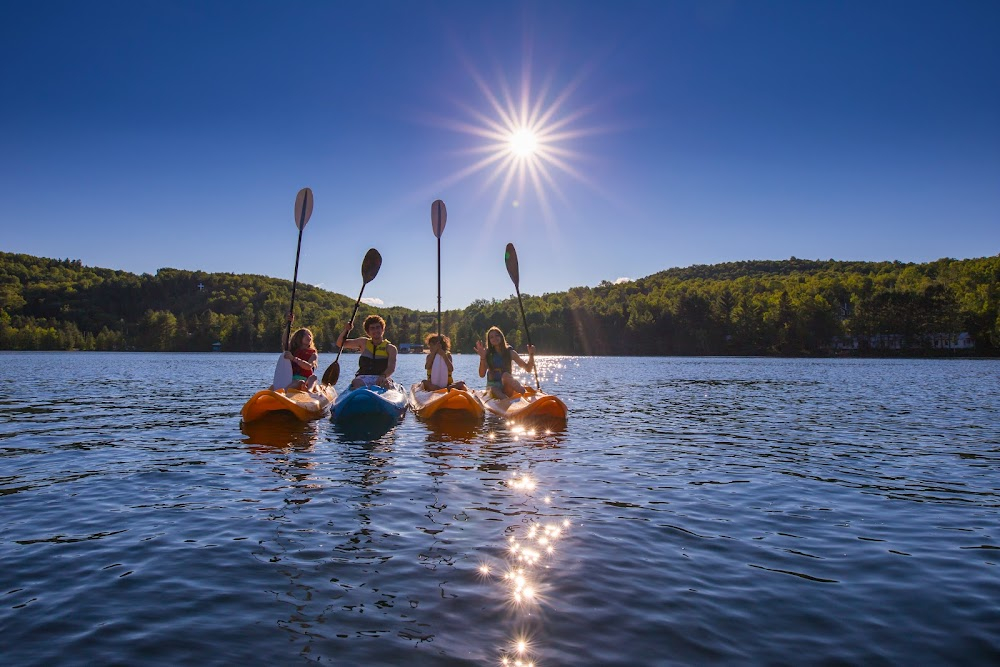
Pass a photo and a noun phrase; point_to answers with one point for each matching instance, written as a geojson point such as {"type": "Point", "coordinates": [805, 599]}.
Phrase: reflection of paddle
{"type": "Point", "coordinates": [369, 269]}
{"type": "Point", "coordinates": [303, 209]}
{"type": "Point", "coordinates": [510, 258]}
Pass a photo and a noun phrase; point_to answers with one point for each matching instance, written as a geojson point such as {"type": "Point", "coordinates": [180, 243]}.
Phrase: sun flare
{"type": "Point", "coordinates": [529, 141]}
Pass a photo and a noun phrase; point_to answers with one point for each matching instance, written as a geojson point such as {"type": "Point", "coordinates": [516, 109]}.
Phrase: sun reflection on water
{"type": "Point", "coordinates": [530, 550]}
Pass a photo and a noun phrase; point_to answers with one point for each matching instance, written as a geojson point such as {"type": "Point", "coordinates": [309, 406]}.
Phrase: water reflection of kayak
{"type": "Point", "coordinates": [532, 404]}
{"type": "Point", "coordinates": [305, 405]}
{"type": "Point", "coordinates": [370, 402]}
{"type": "Point", "coordinates": [446, 403]}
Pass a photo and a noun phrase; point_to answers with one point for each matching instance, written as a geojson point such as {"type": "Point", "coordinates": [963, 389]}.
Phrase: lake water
{"type": "Point", "coordinates": [691, 511]}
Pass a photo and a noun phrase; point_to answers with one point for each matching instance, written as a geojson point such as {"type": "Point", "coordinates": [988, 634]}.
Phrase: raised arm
{"type": "Point", "coordinates": [526, 365]}
{"type": "Point", "coordinates": [346, 343]}
{"type": "Point", "coordinates": [481, 351]}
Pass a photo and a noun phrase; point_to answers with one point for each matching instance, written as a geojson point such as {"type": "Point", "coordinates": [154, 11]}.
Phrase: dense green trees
{"type": "Point", "coordinates": [791, 307]}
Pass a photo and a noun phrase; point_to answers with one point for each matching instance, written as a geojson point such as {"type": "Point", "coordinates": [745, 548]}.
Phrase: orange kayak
{"type": "Point", "coordinates": [303, 404]}
{"type": "Point", "coordinates": [457, 403]}
{"type": "Point", "coordinates": [532, 404]}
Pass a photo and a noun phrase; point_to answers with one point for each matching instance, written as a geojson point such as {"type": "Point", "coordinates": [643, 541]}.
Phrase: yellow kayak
{"type": "Point", "coordinates": [456, 402]}
{"type": "Point", "coordinates": [532, 404]}
{"type": "Point", "coordinates": [303, 404]}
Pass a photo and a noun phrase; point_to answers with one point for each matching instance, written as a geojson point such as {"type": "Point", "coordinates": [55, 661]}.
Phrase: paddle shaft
{"type": "Point", "coordinates": [439, 285]}
{"type": "Point", "coordinates": [527, 334]}
{"type": "Point", "coordinates": [357, 304]}
{"type": "Point", "coordinates": [295, 282]}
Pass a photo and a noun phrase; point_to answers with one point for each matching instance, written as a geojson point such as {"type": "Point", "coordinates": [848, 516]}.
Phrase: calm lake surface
{"type": "Point", "coordinates": [691, 511]}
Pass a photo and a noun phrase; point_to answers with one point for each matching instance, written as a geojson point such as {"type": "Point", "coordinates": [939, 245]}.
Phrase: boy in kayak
{"type": "Point", "coordinates": [303, 357]}
{"type": "Point", "coordinates": [495, 364]}
{"type": "Point", "coordinates": [378, 356]}
{"type": "Point", "coordinates": [439, 365]}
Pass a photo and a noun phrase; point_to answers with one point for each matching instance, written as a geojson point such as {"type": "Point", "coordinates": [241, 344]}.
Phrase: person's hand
{"type": "Point", "coordinates": [480, 349]}
{"type": "Point", "coordinates": [531, 350]}
{"type": "Point", "coordinates": [290, 317]}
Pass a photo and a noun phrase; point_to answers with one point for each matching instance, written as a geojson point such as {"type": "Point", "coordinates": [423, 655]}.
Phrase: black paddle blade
{"type": "Point", "coordinates": [510, 258]}
{"type": "Point", "coordinates": [332, 373]}
{"type": "Point", "coordinates": [303, 207]}
{"type": "Point", "coordinates": [439, 217]}
{"type": "Point", "coordinates": [370, 266]}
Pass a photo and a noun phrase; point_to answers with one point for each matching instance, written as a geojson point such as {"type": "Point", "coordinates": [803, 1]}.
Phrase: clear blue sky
{"type": "Point", "coordinates": [141, 135]}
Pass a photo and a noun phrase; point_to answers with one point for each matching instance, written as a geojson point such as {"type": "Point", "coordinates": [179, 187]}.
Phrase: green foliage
{"type": "Point", "coordinates": [790, 307]}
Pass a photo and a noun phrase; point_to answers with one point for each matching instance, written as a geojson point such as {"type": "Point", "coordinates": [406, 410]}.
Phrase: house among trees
{"type": "Point", "coordinates": [959, 341]}
{"type": "Point", "coordinates": [937, 341]}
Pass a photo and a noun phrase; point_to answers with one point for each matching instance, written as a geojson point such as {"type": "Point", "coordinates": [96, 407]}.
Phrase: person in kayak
{"type": "Point", "coordinates": [439, 364]}
{"type": "Point", "coordinates": [378, 356]}
{"type": "Point", "coordinates": [303, 356]}
{"type": "Point", "coordinates": [495, 361]}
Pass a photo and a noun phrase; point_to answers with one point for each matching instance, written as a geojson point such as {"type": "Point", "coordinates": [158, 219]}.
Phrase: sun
{"type": "Point", "coordinates": [523, 143]}
{"type": "Point", "coordinates": [529, 141]}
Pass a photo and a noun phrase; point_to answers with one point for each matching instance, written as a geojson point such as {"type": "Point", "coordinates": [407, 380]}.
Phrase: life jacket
{"type": "Point", "coordinates": [374, 360]}
{"type": "Point", "coordinates": [497, 363]}
{"type": "Point", "coordinates": [304, 354]}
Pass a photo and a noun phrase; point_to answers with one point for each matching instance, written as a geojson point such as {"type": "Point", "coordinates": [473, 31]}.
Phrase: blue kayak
{"type": "Point", "coordinates": [369, 403]}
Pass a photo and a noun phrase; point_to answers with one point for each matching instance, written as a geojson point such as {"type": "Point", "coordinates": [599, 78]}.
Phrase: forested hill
{"type": "Point", "coordinates": [788, 307]}
{"type": "Point", "coordinates": [762, 268]}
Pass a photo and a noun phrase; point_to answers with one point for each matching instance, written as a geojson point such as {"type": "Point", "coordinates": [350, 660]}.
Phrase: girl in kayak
{"type": "Point", "coordinates": [378, 356]}
{"type": "Point", "coordinates": [439, 365]}
{"type": "Point", "coordinates": [301, 353]}
{"type": "Point", "coordinates": [495, 363]}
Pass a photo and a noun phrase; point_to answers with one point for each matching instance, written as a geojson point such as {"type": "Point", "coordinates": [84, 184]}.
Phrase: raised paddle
{"type": "Point", "coordinates": [369, 269]}
{"type": "Point", "coordinates": [439, 217]}
{"type": "Point", "coordinates": [303, 209]}
{"type": "Point", "coordinates": [510, 259]}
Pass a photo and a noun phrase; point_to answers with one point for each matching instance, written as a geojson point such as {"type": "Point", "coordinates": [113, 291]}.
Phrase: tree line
{"type": "Point", "coordinates": [787, 307]}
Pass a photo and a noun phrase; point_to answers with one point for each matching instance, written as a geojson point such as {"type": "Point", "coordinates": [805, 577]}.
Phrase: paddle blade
{"type": "Point", "coordinates": [439, 217]}
{"type": "Point", "coordinates": [303, 207]}
{"type": "Point", "coordinates": [332, 373]}
{"type": "Point", "coordinates": [510, 259]}
{"type": "Point", "coordinates": [370, 266]}
{"type": "Point", "coordinates": [282, 374]}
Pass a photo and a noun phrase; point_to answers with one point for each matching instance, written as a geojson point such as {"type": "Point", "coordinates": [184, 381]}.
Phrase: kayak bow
{"type": "Point", "coordinates": [374, 402]}
{"type": "Point", "coordinates": [446, 403]}
{"type": "Point", "coordinates": [303, 404]}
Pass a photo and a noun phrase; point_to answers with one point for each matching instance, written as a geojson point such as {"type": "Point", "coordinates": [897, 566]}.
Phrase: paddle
{"type": "Point", "coordinates": [303, 210]}
{"type": "Point", "coordinates": [369, 269]}
{"type": "Point", "coordinates": [510, 259]}
{"type": "Point", "coordinates": [439, 217]}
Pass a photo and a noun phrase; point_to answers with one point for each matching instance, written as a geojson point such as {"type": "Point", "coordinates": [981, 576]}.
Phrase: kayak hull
{"type": "Point", "coordinates": [445, 403]}
{"type": "Point", "coordinates": [531, 405]}
{"type": "Point", "coordinates": [303, 404]}
{"type": "Point", "coordinates": [369, 403]}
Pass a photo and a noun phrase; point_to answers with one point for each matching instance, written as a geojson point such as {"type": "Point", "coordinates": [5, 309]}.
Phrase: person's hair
{"type": "Point", "coordinates": [438, 338]}
{"type": "Point", "coordinates": [296, 342]}
{"type": "Point", "coordinates": [373, 319]}
{"type": "Point", "coordinates": [503, 339]}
